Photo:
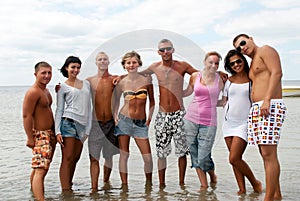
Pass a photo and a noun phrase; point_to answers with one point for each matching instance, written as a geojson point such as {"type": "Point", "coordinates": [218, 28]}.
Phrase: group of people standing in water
{"type": "Point", "coordinates": [90, 109]}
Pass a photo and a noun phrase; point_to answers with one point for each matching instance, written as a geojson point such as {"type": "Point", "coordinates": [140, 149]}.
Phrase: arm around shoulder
{"type": "Point", "coordinates": [190, 88]}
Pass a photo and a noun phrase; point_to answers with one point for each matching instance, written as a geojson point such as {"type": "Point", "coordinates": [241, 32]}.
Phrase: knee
{"type": "Point", "coordinates": [76, 159]}
{"type": "Point", "coordinates": [233, 159]}
{"type": "Point", "coordinates": [269, 156]}
{"type": "Point", "coordinates": [148, 160]}
{"type": "Point", "coordinates": [93, 160]}
{"type": "Point", "coordinates": [124, 155]}
{"type": "Point", "coordinates": [268, 152]}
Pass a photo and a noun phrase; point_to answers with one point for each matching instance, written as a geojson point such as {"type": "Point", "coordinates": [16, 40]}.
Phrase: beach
{"type": "Point", "coordinates": [15, 164]}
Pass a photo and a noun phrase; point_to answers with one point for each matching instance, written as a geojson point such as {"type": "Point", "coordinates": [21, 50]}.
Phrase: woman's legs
{"type": "Point", "coordinates": [238, 175]}
{"type": "Point", "coordinates": [70, 155]}
{"type": "Point", "coordinates": [237, 149]}
{"type": "Point", "coordinates": [124, 141]}
{"type": "Point", "coordinates": [145, 149]}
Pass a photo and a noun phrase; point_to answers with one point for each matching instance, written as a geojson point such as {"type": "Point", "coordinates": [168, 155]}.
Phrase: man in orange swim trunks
{"type": "Point", "coordinates": [38, 124]}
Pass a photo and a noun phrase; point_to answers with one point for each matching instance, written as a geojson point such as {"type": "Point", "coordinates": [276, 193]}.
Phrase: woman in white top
{"type": "Point", "coordinates": [236, 98]}
{"type": "Point", "coordinates": [72, 119]}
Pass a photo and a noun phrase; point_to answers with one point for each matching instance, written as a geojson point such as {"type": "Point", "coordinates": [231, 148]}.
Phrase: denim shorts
{"type": "Point", "coordinates": [71, 128]}
{"type": "Point", "coordinates": [131, 127]}
{"type": "Point", "coordinates": [200, 139]}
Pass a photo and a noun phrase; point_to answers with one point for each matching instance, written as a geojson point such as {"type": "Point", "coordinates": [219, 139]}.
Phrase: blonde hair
{"type": "Point", "coordinates": [208, 54]}
{"type": "Point", "coordinates": [101, 53]}
{"type": "Point", "coordinates": [130, 55]}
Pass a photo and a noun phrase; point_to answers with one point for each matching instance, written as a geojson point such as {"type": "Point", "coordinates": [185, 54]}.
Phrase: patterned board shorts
{"type": "Point", "coordinates": [43, 149]}
{"type": "Point", "coordinates": [168, 125]}
{"type": "Point", "coordinates": [266, 131]}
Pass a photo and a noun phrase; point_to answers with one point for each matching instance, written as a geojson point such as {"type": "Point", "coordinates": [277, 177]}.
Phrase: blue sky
{"type": "Point", "coordinates": [51, 30]}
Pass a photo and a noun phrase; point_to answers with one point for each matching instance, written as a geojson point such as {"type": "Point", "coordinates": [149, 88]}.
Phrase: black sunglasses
{"type": "Point", "coordinates": [163, 49]}
{"type": "Point", "coordinates": [238, 61]}
{"type": "Point", "coordinates": [242, 43]}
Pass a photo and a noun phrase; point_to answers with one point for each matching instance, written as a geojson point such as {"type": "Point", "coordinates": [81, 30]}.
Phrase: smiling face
{"type": "Point", "coordinates": [131, 64]}
{"type": "Point", "coordinates": [211, 63]}
{"type": "Point", "coordinates": [73, 70]}
{"type": "Point", "coordinates": [43, 75]}
{"type": "Point", "coordinates": [165, 50]}
{"type": "Point", "coordinates": [236, 63]}
{"type": "Point", "coordinates": [102, 61]}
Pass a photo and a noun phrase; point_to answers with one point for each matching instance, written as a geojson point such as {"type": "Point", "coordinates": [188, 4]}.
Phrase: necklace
{"type": "Point", "coordinates": [168, 70]}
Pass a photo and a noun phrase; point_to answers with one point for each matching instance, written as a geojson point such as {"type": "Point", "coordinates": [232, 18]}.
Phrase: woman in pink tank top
{"type": "Point", "coordinates": [200, 120]}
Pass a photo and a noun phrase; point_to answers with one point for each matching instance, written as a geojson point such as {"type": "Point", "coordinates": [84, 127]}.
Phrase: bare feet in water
{"type": "Point", "coordinates": [258, 187]}
{"type": "Point", "coordinates": [213, 181]}
{"type": "Point", "coordinates": [241, 192]}
{"type": "Point", "coordinates": [202, 189]}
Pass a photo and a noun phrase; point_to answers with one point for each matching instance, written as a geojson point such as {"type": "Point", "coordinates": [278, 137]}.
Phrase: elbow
{"type": "Point", "coordinates": [25, 116]}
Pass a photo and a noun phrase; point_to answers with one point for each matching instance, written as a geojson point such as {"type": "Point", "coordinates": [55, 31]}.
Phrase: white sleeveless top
{"type": "Point", "coordinates": [236, 109]}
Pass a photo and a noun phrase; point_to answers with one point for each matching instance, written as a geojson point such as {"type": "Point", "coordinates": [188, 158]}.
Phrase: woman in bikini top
{"type": "Point", "coordinates": [135, 88]}
{"type": "Point", "coordinates": [140, 94]}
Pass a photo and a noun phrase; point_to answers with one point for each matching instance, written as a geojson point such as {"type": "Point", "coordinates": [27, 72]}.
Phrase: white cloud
{"type": "Point", "coordinates": [54, 29]}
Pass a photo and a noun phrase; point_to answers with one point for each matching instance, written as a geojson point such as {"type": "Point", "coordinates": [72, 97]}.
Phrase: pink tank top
{"type": "Point", "coordinates": [203, 108]}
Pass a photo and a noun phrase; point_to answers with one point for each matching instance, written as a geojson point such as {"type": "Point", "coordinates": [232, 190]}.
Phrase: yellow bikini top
{"type": "Point", "coordinates": [140, 94]}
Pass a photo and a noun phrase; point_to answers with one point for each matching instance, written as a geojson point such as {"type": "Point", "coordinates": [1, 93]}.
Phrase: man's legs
{"type": "Point", "coordinates": [94, 173]}
{"type": "Point", "coordinates": [107, 167]}
{"type": "Point", "coordinates": [272, 171]}
{"type": "Point", "coordinates": [182, 168]}
{"type": "Point", "coordinates": [162, 166]}
{"type": "Point", "coordinates": [38, 183]}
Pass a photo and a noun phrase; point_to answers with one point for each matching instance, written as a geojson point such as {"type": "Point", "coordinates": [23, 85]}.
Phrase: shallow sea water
{"type": "Point", "coordinates": [15, 167]}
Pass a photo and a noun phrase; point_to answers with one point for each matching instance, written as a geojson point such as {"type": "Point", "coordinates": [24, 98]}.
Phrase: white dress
{"type": "Point", "coordinates": [236, 109]}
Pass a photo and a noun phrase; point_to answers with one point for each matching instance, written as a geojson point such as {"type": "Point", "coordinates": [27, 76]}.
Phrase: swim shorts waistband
{"type": "Point", "coordinates": [271, 101]}
{"type": "Point", "coordinates": [173, 113]}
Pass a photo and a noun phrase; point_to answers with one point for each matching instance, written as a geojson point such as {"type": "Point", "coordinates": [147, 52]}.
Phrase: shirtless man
{"type": "Point", "coordinates": [268, 109]}
{"type": "Point", "coordinates": [169, 120]}
{"type": "Point", "coordinates": [102, 132]}
{"type": "Point", "coordinates": [38, 124]}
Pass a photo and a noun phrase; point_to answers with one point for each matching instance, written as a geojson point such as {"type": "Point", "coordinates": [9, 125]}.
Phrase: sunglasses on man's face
{"type": "Point", "coordinates": [242, 43]}
{"type": "Point", "coordinates": [163, 49]}
{"type": "Point", "coordinates": [238, 61]}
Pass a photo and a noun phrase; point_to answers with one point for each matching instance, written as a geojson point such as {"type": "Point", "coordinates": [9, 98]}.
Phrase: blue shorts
{"type": "Point", "coordinates": [200, 140]}
{"type": "Point", "coordinates": [132, 127]}
{"type": "Point", "coordinates": [71, 128]}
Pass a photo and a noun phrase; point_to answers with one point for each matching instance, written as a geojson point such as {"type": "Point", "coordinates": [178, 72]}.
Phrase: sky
{"type": "Point", "coordinates": [51, 30]}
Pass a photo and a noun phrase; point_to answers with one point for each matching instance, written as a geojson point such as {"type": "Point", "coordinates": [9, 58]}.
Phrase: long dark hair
{"type": "Point", "coordinates": [232, 53]}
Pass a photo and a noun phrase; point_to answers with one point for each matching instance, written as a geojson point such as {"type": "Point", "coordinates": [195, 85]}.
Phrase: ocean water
{"type": "Point", "coordinates": [15, 160]}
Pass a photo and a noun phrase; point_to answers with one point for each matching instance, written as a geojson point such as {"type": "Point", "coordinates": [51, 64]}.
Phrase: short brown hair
{"type": "Point", "coordinates": [238, 36]}
{"type": "Point", "coordinates": [41, 64]}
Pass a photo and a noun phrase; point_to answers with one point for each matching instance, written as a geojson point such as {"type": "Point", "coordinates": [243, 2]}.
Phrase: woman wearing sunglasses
{"type": "Point", "coordinates": [236, 98]}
